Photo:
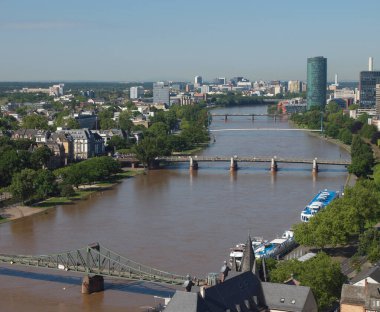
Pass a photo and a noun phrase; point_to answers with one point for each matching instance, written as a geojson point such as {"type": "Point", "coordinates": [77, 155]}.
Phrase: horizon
{"type": "Point", "coordinates": [147, 40]}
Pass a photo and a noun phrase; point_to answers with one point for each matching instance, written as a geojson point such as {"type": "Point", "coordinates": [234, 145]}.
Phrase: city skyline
{"type": "Point", "coordinates": [148, 40]}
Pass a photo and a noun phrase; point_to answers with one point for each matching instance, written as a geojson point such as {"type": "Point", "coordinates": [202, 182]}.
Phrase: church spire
{"type": "Point", "coordinates": [248, 257]}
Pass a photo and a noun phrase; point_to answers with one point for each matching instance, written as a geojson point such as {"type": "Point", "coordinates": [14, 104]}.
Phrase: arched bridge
{"type": "Point", "coordinates": [96, 260]}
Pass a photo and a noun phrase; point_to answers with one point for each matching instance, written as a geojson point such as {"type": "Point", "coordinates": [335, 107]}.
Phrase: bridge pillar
{"type": "Point", "coordinates": [315, 166]}
{"type": "Point", "coordinates": [233, 164]}
{"type": "Point", "coordinates": [253, 117]}
{"type": "Point", "coordinates": [225, 117]}
{"type": "Point", "coordinates": [193, 164]}
{"type": "Point", "coordinates": [92, 284]}
{"type": "Point", "coordinates": [273, 165]}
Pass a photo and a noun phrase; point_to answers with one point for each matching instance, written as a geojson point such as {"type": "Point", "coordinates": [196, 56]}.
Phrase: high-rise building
{"type": "Point", "coordinates": [161, 93]}
{"type": "Point", "coordinates": [316, 81]}
{"type": "Point", "coordinates": [136, 92]}
{"type": "Point", "coordinates": [367, 86]}
{"type": "Point", "coordinates": [206, 89]}
{"type": "Point", "coordinates": [220, 81]}
{"type": "Point", "coordinates": [378, 99]}
{"type": "Point", "coordinates": [56, 90]}
{"type": "Point", "coordinates": [198, 81]}
{"type": "Point", "coordinates": [294, 86]}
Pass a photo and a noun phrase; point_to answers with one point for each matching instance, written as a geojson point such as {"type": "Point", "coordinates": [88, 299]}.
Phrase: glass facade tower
{"type": "Point", "coordinates": [368, 82]}
{"type": "Point", "coordinates": [316, 81]}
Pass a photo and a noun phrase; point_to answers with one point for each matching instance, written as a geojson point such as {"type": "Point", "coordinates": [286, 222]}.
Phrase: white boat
{"type": "Point", "coordinates": [277, 247]}
{"type": "Point", "coordinates": [320, 201]}
{"type": "Point", "coordinates": [237, 251]}
{"type": "Point", "coordinates": [264, 249]}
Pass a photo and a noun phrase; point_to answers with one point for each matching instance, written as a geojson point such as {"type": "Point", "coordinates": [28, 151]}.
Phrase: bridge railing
{"type": "Point", "coordinates": [96, 259]}
{"type": "Point", "coordinates": [252, 159]}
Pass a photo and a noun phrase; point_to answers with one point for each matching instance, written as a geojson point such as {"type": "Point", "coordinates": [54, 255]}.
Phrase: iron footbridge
{"type": "Point", "coordinates": [98, 260]}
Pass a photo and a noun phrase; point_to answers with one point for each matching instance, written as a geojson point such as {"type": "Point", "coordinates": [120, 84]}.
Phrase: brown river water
{"type": "Point", "coordinates": [171, 219]}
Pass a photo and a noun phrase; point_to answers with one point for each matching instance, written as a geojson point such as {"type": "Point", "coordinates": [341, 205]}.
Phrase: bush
{"type": "Point", "coordinates": [66, 190]}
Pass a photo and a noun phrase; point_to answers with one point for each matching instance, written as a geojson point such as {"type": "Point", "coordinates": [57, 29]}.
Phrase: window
{"type": "Point", "coordinates": [282, 300]}
{"type": "Point", "coordinates": [293, 301]}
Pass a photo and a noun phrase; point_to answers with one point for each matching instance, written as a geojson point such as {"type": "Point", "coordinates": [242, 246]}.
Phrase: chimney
{"type": "Point", "coordinates": [370, 63]}
{"type": "Point", "coordinates": [366, 287]}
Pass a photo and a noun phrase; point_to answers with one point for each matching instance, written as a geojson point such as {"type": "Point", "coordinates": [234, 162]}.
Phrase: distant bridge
{"type": "Point", "coordinates": [267, 129]}
{"type": "Point", "coordinates": [95, 260]}
{"type": "Point", "coordinates": [194, 160]}
{"type": "Point", "coordinates": [275, 116]}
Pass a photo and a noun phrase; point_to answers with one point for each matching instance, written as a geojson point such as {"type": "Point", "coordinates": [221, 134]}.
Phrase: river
{"type": "Point", "coordinates": [171, 219]}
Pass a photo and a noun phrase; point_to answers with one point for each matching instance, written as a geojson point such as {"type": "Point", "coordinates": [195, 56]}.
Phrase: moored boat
{"type": "Point", "coordinates": [277, 247]}
{"type": "Point", "coordinates": [236, 253]}
{"type": "Point", "coordinates": [264, 249]}
{"type": "Point", "coordinates": [319, 202]}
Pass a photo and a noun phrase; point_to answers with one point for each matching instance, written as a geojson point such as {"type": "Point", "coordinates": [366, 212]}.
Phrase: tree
{"type": "Point", "coordinates": [367, 131]}
{"type": "Point", "coordinates": [117, 143]}
{"type": "Point", "coordinates": [12, 161]}
{"type": "Point", "coordinates": [375, 138]}
{"type": "Point", "coordinates": [363, 118]}
{"type": "Point", "coordinates": [362, 159]}
{"type": "Point", "coordinates": [356, 126]}
{"type": "Point", "coordinates": [321, 274]}
{"type": "Point", "coordinates": [35, 122]}
{"type": "Point", "coordinates": [45, 184]}
{"type": "Point", "coordinates": [8, 123]}
{"type": "Point", "coordinates": [345, 136]}
{"type": "Point", "coordinates": [22, 186]}
{"type": "Point", "coordinates": [125, 122]}
{"type": "Point", "coordinates": [158, 129]}
{"type": "Point", "coordinates": [369, 245]}
{"type": "Point", "coordinates": [66, 190]}
{"type": "Point", "coordinates": [332, 107]}
{"type": "Point", "coordinates": [41, 157]}
{"type": "Point", "coordinates": [149, 148]}
{"type": "Point", "coordinates": [376, 175]}
{"type": "Point", "coordinates": [72, 123]}
{"type": "Point", "coordinates": [107, 123]}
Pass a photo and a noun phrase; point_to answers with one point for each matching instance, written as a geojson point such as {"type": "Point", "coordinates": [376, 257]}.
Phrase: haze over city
{"type": "Point", "coordinates": [149, 40]}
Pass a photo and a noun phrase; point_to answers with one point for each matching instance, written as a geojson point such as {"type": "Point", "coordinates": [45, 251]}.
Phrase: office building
{"type": "Point", "coordinates": [206, 89]}
{"type": "Point", "coordinates": [220, 81]}
{"type": "Point", "coordinates": [316, 81]}
{"type": "Point", "coordinates": [294, 86]}
{"type": "Point", "coordinates": [161, 93]}
{"type": "Point", "coordinates": [367, 86]}
{"type": "Point", "coordinates": [378, 99]}
{"type": "Point", "coordinates": [136, 92]}
{"type": "Point", "coordinates": [198, 81]}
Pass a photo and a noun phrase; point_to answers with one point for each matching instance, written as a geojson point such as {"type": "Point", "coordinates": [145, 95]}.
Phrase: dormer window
{"type": "Point", "coordinates": [282, 300]}
{"type": "Point", "coordinates": [293, 301]}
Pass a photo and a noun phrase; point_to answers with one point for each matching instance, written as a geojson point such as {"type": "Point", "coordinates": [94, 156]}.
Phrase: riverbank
{"type": "Point", "coordinates": [17, 210]}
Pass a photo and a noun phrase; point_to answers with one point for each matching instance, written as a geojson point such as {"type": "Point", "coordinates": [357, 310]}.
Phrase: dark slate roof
{"type": "Point", "coordinates": [241, 290]}
{"type": "Point", "coordinates": [285, 297]}
{"type": "Point", "coordinates": [185, 302]}
{"type": "Point", "coordinates": [248, 257]}
{"type": "Point", "coordinates": [373, 273]}
{"type": "Point", "coordinates": [234, 291]}
{"type": "Point", "coordinates": [244, 292]}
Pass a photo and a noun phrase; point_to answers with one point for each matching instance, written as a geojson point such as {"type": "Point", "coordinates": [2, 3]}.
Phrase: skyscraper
{"type": "Point", "coordinates": [161, 93]}
{"type": "Point", "coordinates": [316, 81]}
{"type": "Point", "coordinates": [136, 92]}
{"type": "Point", "coordinates": [367, 86]}
{"type": "Point", "coordinates": [198, 81]}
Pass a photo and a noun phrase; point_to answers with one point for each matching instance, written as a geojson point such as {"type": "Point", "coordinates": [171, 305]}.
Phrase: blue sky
{"type": "Point", "coordinates": [146, 40]}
